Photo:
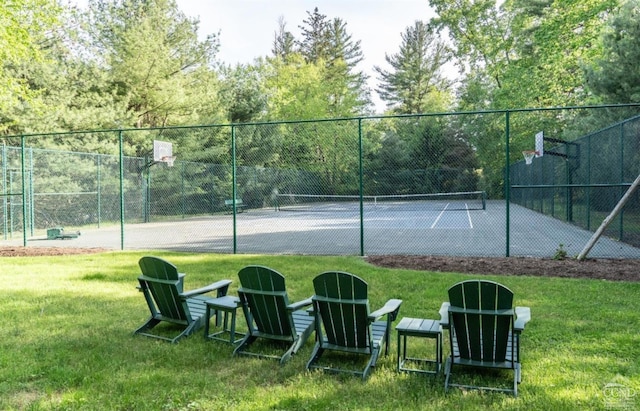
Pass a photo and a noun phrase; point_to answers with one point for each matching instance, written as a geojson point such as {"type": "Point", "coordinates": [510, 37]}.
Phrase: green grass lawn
{"type": "Point", "coordinates": [66, 342]}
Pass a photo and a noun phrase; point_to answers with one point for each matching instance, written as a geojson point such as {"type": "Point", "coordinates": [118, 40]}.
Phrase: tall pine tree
{"type": "Point", "coordinates": [284, 43]}
{"type": "Point", "coordinates": [615, 76]}
{"type": "Point", "coordinates": [156, 62]}
{"type": "Point", "coordinates": [416, 83]}
{"type": "Point", "coordinates": [327, 42]}
{"type": "Point", "coordinates": [315, 43]}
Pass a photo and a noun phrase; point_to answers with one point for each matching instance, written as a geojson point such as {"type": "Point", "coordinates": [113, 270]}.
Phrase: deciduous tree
{"type": "Point", "coordinates": [24, 25]}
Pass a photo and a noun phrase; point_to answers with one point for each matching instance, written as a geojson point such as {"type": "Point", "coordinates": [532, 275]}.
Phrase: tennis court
{"type": "Point", "coordinates": [387, 162]}
{"type": "Point", "coordinates": [334, 228]}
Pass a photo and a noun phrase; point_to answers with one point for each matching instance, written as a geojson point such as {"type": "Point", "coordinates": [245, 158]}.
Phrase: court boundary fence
{"type": "Point", "coordinates": [516, 126]}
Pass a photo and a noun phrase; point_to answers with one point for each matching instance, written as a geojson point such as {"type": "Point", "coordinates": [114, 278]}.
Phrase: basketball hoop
{"type": "Point", "coordinates": [168, 160]}
{"type": "Point", "coordinates": [528, 156]}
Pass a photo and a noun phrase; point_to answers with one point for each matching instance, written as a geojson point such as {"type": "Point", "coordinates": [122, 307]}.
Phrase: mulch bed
{"type": "Point", "coordinates": [604, 269]}
{"type": "Point", "coordinates": [46, 251]}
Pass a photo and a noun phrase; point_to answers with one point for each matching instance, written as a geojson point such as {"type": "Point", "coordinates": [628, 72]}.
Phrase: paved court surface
{"type": "Point", "coordinates": [386, 231]}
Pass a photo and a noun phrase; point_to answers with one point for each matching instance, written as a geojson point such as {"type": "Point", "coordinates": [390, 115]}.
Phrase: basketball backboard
{"type": "Point", "coordinates": [162, 151]}
{"type": "Point", "coordinates": [539, 148]}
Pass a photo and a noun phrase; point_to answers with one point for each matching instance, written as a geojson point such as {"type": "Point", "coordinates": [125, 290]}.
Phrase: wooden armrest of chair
{"type": "Point", "coordinates": [157, 280]}
{"type": "Point", "coordinates": [221, 285]}
{"type": "Point", "coordinates": [298, 305]}
{"type": "Point", "coordinates": [523, 316]}
{"type": "Point", "coordinates": [444, 314]}
{"type": "Point", "coordinates": [391, 307]}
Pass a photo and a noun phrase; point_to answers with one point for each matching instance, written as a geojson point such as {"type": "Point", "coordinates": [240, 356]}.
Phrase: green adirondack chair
{"type": "Point", "coordinates": [162, 287]}
{"type": "Point", "coordinates": [269, 314]}
{"type": "Point", "coordinates": [484, 330]}
{"type": "Point", "coordinates": [344, 323]}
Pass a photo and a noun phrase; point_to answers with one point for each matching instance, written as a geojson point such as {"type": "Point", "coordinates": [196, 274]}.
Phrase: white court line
{"type": "Point", "coordinates": [466, 206]}
{"type": "Point", "coordinates": [439, 216]}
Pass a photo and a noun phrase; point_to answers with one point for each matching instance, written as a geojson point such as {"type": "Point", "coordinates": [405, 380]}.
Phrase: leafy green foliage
{"type": "Point", "coordinates": [156, 62]}
{"type": "Point", "coordinates": [419, 155]}
{"type": "Point", "coordinates": [23, 28]}
{"type": "Point", "coordinates": [135, 63]}
{"type": "Point", "coordinates": [554, 40]}
{"type": "Point", "coordinates": [479, 31]}
{"type": "Point", "coordinates": [615, 76]}
{"type": "Point", "coordinates": [519, 54]}
{"type": "Point", "coordinates": [241, 87]}
{"type": "Point", "coordinates": [297, 90]}
{"type": "Point", "coordinates": [561, 253]}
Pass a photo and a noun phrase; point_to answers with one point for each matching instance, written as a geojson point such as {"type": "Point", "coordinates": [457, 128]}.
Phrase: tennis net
{"type": "Point", "coordinates": [468, 200]}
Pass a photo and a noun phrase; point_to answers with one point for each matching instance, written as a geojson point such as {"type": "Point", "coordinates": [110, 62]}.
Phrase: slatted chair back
{"type": "Point", "coordinates": [481, 314]}
{"type": "Point", "coordinates": [165, 285]}
{"type": "Point", "coordinates": [341, 301]}
{"type": "Point", "coordinates": [264, 299]}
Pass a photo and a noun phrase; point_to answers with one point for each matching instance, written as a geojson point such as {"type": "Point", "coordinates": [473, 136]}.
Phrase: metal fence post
{"type": "Point", "coordinates": [5, 203]}
{"type": "Point", "coordinates": [361, 184]}
{"type": "Point", "coordinates": [233, 186]}
{"type": "Point", "coordinates": [621, 193]}
{"type": "Point", "coordinates": [121, 163]}
{"type": "Point", "coordinates": [183, 202]}
{"type": "Point", "coordinates": [24, 191]}
{"type": "Point", "coordinates": [32, 202]}
{"type": "Point", "coordinates": [507, 182]}
{"type": "Point", "coordinates": [568, 169]}
{"type": "Point", "coordinates": [99, 187]}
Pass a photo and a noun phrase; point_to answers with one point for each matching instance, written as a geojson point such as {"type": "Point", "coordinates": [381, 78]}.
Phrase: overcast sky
{"type": "Point", "coordinates": [247, 27]}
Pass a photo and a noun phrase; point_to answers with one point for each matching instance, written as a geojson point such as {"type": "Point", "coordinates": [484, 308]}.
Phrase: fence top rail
{"type": "Point", "coordinates": [355, 118]}
{"type": "Point", "coordinates": [602, 185]}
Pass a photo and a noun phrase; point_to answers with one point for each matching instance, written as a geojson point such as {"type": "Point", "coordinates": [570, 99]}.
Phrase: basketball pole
{"type": "Point", "coordinates": [610, 217]}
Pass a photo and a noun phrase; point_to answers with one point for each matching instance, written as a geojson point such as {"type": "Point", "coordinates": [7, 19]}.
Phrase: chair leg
{"type": "Point", "coordinates": [287, 355]}
{"type": "Point", "coordinates": [517, 379]}
{"type": "Point", "coordinates": [304, 336]}
{"type": "Point", "coordinates": [371, 363]}
{"type": "Point", "coordinates": [152, 322]}
{"type": "Point", "coordinates": [300, 340]}
{"type": "Point", "coordinates": [246, 341]}
{"type": "Point", "coordinates": [193, 327]}
{"type": "Point", "coordinates": [149, 324]}
{"type": "Point", "coordinates": [315, 355]}
{"type": "Point", "coordinates": [447, 373]}
{"type": "Point", "coordinates": [400, 358]}
{"type": "Point", "coordinates": [374, 356]}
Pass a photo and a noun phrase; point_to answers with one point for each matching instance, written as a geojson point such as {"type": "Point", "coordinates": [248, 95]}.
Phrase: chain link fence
{"type": "Point", "coordinates": [581, 181]}
{"type": "Point", "coordinates": [448, 184]}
